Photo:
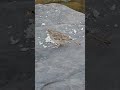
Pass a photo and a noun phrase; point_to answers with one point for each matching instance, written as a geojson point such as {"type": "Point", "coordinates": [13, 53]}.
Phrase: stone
{"type": "Point", "coordinates": [60, 68]}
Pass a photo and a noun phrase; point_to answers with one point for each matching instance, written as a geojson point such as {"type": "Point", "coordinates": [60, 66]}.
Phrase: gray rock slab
{"type": "Point", "coordinates": [60, 68]}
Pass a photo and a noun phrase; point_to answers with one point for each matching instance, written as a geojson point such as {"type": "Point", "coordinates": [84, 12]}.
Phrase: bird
{"type": "Point", "coordinates": [59, 38]}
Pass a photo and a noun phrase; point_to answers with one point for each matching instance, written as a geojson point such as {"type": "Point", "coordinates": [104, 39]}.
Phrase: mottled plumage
{"type": "Point", "coordinates": [59, 38]}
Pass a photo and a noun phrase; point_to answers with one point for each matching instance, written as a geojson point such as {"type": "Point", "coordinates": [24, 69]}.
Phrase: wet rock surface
{"type": "Point", "coordinates": [102, 69]}
{"type": "Point", "coordinates": [16, 46]}
{"type": "Point", "coordinates": [60, 68]}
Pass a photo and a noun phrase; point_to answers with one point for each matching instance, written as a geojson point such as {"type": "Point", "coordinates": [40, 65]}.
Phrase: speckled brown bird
{"type": "Point", "coordinates": [59, 38]}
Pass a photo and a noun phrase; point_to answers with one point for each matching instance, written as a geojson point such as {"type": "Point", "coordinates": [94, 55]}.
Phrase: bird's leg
{"type": "Point", "coordinates": [56, 45]}
{"type": "Point", "coordinates": [76, 42]}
